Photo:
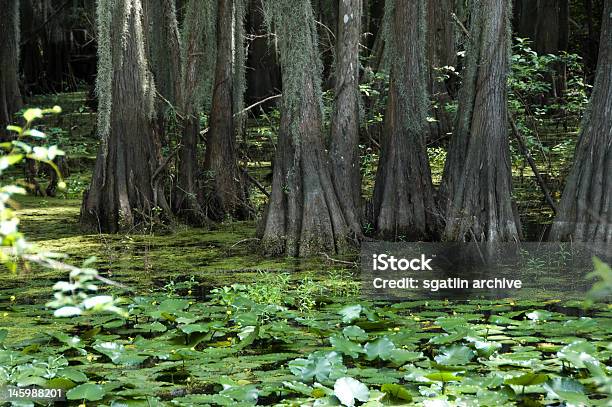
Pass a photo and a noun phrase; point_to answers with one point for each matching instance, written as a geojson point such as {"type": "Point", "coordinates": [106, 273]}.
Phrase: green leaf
{"type": "Point", "coordinates": [455, 355]}
{"type": "Point", "coordinates": [402, 356]}
{"type": "Point", "coordinates": [72, 374]}
{"type": "Point", "coordinates": [32, 114]}
{"type": "Point", "coordinates": [577, 353]}
{"type": "Point", "coordinates": [250, 338]}
{"type": "Point", "coordinates": [443, 377]}
{"type": "Point", "coordinates": [567, 390]}
{"type": "Point", "coordinates": [347, 390]}
{"type": "Point", "coordinates": [319, 365]}
{"type": "Point", "coordinates": [34, 133]}
{"type": "Point", "coordinates": [355, 333]}
{"type": "Point", "coordinates": [381, 348]}
{"type": "Point", "coordinates": [350, 313]}
{"type": "Point", "coordinates": [345, 346]}
{"type": "Point", "coordinates": [87, 391]}
{"type": "Point", "coordinates": [248, 393]}
{"type": "Point", "coordinates": [15, 129]}
{"type": "Point", "coordinates": [528, 379]}
{"type": "Point", "coordinates": [8, 160]}
{"type": "Point", "coordinates": [60, 383]}
{"type": "Point", "coordinates": [396, 392]}
{"type": "Point", "coordinates": [152, 327]}
{"type": "Point", "coordinates": [173, 305]}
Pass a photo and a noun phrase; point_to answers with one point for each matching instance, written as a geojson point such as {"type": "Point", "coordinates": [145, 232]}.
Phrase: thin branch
{"type": "Point", "coordinates": [532, 163]}
{"type": "Point", "coordinates": [250, 239]}
{"type": "Point", "coordinates": [165, 163]}
{"type": "Point", "coordinates": [460, 24]}
{"type": "Point", "coordinates": [246, 109]}
{"type": "Point", "coordinates": [58, 265]}
{"type": "Point", "coordinates": [254, 182]}
{"type": "Point", "coordinates": [350, 263]}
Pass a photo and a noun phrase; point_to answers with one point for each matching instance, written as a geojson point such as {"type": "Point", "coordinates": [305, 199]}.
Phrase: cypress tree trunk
{"type": "Point", "coordinates": [344, 149]}
{"type": "Point", "coordinates": [476, 187]}
{"type": "Point", "coordinates": [10, 96]}
{"type": "Point", "coordinates": [123, 189]}
{"type": "Point", "coordinates": [223, 191]}
{"type": "Point", "coordinates": [198, 57]}
{"type": "Point", "coordinates": [403, 194]}
{"type": "Point", "coordinates": [441, 52]}
{"type": "Point", "coordinates": [164, 51]}
{"type": "Point", "coordinates": [303, 216]}
{"type": "Point", "coordinates": [585, 210]}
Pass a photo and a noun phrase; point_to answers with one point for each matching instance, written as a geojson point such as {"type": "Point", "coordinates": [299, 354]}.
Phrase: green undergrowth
{"type": "Point", "coordinates": [212, 322]}
{"type": "Point", "coordinates": [221, 256]}
{"type": "Point", "coordinates": [239, 346]}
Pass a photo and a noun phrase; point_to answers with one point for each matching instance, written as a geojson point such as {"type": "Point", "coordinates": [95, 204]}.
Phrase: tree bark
{"type": "Point", "coordinates": [10, 95]}
{"type": "Point", "coordinates": [476, 186]}
{"type": "Point", "coordinates": [441, 52]}
{"type": "Point", "coordinates": [585, 210]}
{"type": "Point", "coordinates": [164, 48]}
{"type": "Point", "coordinates": [344, 151]}
{"type": "Point", "coordinates": [304, 216]}
{"type": "Point", "coordinates": [223, 191]}
{"type": "Point", "coordinates": [124, 191]}
{"type": "Point", "coordinates": [198, 58]}
{"type": "Point", "coordinates": [404, 206]}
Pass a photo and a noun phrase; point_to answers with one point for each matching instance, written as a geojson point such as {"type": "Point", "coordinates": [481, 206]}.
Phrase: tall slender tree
{"type": "Point", "coordinates": [10, 96]}
{"type": "Point", "coordinates": [585, 210]}
{"type": "Point", "coordinates": [346, 173]}
{"type": "Point", "coordinates": [124, 189]}
{"type": "Point", "coordinates": [476, 186]}
{"type": "Point", "coordinates": [164, 54]}
{"type": "Point", "coordinates": [441, 53]}
{"type": "Point", "coordinates": [403, 194]}
{"type": "Point", "coordinates": [304, 215]}
{"type": "Point", "coordinates": [198, 61]}
{"type": "Point", "coordinates": [223, 187]}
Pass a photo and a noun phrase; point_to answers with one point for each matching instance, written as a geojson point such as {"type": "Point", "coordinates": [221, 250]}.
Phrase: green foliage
{"type": "Point", "coordinates": [13, 152]}
{"type": "Point", "coordinates": [230, 350]}
{"type": "Point", "coordinates": [71, 297]}
{"type": "Point", "coordinates": [534, 99]}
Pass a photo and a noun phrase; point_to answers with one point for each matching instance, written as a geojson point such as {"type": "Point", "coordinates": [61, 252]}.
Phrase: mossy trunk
{"type": "Point", "coordinates": [344, 150]}
{"type": "Point", "coordinates": [10, 95]}
{"type": "Point", "coordinates": [124, 190]}
{"type": "Point", "coordinates": [404, 206]}
{"type": "Point", "coordinates": [164, 53]}
{"type": "Point", "coordinates": [476, 189]}
{"type": "Point", "coordinates": [585, 210]}
{"type": "Point", "coordinates": [198, 59]}
{"type": "Point", "coordinates": [223, 187]}
{"type": "Point", "coordinates": [304, 216]}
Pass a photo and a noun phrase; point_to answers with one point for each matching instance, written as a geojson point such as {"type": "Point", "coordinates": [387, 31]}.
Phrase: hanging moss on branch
{"type": "Point", "coordinates": [125, 188]}
{"type": "Point", "coordinates": [304, 216]}
{"type": "Point", "coordinates": [198, 55]}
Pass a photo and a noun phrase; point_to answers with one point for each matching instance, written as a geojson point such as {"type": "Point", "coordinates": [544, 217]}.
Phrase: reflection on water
{"type": "Point", "coordinates": [459, 271]}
